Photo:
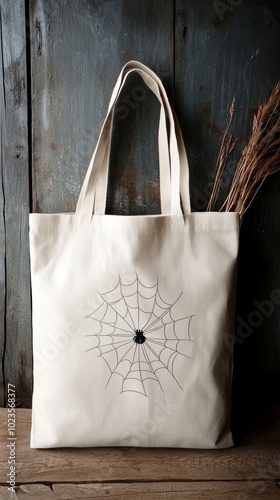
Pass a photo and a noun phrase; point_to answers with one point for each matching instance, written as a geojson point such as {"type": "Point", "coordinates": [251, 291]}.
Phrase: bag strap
{"type": "Point", "coordinates": [97, 180]}
{"type": "Point", "coordinates": [93, 192]}
{"type": "Point", "coordinates": [164, 165]}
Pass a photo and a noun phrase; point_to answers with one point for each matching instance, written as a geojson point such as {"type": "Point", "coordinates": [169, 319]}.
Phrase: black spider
{"type": "Point", "coordinates": [139, 338]}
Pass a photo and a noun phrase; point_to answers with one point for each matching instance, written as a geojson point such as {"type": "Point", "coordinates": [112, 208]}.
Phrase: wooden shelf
{"type": "Point", "coordinates": [249, 470]}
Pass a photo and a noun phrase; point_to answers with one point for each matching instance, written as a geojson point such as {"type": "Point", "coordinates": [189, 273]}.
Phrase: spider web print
{"type": "Point", "coordinates": [137, 336]}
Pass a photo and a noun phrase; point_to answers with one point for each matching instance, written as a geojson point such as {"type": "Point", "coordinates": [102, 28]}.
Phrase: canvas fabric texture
{"type": "Point", "coordinates": [133, 315]}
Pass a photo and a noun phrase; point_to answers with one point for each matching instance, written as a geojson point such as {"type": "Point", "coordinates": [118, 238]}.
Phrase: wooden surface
{"type": "Point", "coordinates": [249, 470]}
{"type": "Point", "coordinates": [229, 490]}
{"type": "Point", "coordinates": [59, 63]}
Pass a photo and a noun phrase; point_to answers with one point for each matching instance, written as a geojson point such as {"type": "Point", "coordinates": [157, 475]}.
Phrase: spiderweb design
{"type": "Point", "coordinates": [137, 335]}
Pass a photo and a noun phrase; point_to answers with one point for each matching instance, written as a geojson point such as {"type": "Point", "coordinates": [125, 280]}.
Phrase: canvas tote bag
{"type": "Point", "coordinates": [132, 315]}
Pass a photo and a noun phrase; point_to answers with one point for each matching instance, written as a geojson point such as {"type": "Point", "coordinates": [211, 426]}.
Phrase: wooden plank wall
{"type": "Point", "coordinates": [16, 367]}
{"type": "Point", "coordinates": [225, 50]}
{"type": "Point", "coordinates": [206, 53]}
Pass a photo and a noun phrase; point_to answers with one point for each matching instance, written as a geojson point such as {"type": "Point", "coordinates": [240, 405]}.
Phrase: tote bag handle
{"type": "Point", "coordinates": [184, 165]}
{"type": "Point", "coordinates": [163, 156]}
{"type": "Point", "coordinates": [93, 192]}
{"type": "Point", "coordinates": [164, 164]}
{"type": "Point", "coordinates": [96, 179]}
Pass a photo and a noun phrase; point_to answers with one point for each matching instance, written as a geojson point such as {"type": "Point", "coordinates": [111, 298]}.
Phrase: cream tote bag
{"type": "Point", "coordinates": [132, 315]}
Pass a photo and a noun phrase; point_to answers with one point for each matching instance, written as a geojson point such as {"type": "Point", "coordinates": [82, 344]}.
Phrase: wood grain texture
{"type": "Point", "coordinates": [71, 95]}
{"type": "Point", "coordinates": [221, 52]}
{"type": "Point", "coordinates": [257, 457]}
{"type": "Point", "coordinates": [17, 358]}
{"type": "Point", "coordinates": [205, 57]}
{"type": "Point", "coordinates": [219, 56]}
{"type": "Point", "coordinates": [223, 490]}
{"type": "Point", "coordinates": [2, 221]}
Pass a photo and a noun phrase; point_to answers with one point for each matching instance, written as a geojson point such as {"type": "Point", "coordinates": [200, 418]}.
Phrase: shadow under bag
{"type": "Point", "coordinates": [133, 315]}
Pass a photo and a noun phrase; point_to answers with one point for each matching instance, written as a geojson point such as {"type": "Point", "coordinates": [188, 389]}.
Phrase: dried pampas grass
{"type": "Point", "coordinates": [226, 148]}
{"type": "Point", "coordinates": [260, 158]}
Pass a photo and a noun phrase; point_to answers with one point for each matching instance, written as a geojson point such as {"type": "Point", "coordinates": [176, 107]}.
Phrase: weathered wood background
{"type": "Point", "coordinates": [59, 61]}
